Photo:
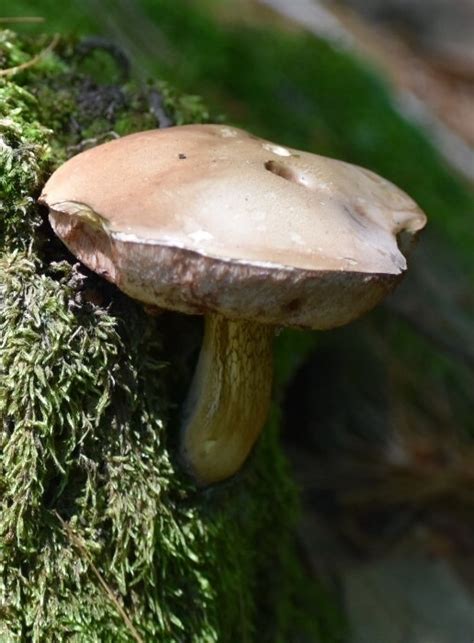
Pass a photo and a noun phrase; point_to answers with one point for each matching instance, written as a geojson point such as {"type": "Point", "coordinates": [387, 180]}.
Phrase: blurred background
{"type": "Point", "coordinates": [378, 417]}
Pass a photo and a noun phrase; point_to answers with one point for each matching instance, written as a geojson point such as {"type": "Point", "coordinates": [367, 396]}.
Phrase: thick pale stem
{"type": "Point", "coordinates": [229, 398]}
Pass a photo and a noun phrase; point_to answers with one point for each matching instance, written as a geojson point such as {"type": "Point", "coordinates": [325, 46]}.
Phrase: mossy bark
{"type": "Point", "coordinates": [102, 537]}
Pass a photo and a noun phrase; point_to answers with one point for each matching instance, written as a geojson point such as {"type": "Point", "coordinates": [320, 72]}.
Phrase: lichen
{"type": "Point", "coordinates": [102, 537]}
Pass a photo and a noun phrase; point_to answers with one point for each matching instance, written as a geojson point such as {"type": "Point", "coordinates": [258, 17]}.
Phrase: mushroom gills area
{"type": "Point", "coordinates": [229, 397]}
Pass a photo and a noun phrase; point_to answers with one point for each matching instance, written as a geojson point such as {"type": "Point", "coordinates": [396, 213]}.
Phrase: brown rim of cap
{"type": "Point", "coordinates": [209, 218]}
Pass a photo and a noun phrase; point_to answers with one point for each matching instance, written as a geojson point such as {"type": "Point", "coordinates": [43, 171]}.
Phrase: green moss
{"type": "Point", "coordinates": [94, 510]}
{"type": "Point", "coordinates": [23, 153]}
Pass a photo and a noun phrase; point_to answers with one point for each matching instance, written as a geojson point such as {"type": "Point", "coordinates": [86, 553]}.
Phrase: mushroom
{"type": "Point", "coordinates": [210, 220]}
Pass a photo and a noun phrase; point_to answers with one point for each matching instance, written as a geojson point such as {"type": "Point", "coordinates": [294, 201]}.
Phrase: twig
{"type": "Point", "coordinates": [29, 63]}
{"type": "Point", "coordinates": [157, 108]}
{"type": "Point", "coordinates": [77, 541]}
{"type": "Point", "coordinates": [87, 46]}
{"type": "Point", "coordinates": [84, 144]}
{"type": "Point", "coordinates": [15, 19]}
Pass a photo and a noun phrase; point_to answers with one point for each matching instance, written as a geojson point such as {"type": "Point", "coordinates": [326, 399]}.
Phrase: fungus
{"type": "Point", "coordinates": [210, 220]}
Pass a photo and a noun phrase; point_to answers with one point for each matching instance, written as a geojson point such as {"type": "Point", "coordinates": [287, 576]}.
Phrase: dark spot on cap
{"type": "Point", "coordinates": [182, 156]}
{"type": "Point", "coordinates": [293, 305]}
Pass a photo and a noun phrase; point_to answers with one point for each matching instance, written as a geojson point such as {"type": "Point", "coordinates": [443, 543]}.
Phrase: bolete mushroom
{"type": "Point", "coordinates": [208, 219]}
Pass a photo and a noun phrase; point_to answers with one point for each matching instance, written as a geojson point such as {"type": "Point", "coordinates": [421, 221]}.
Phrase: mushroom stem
{"type": "Point", "coordinates": [229, 397]}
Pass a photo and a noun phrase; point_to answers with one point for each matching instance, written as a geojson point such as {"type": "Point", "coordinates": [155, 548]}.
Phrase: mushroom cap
{"type": "Point", "coordinates": [204, 218]}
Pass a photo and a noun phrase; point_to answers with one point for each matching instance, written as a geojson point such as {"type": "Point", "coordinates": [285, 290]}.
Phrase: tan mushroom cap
{"type": "Point", "coordinates": [210, 218]}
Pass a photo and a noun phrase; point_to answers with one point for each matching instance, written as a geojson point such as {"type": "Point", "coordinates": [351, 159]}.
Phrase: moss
{"type": "Point", "coordinates": [23, 153]}
{"type": "Point", "coordinates": [96, 519]}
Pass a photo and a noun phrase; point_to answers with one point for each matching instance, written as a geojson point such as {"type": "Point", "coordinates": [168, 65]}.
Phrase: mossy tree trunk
{"type": "Point", "coordinates": [102, 538]}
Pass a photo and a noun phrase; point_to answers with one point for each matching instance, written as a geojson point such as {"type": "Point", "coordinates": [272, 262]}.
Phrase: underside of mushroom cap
{"type": "Point", "coordinates": [209, 218]}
